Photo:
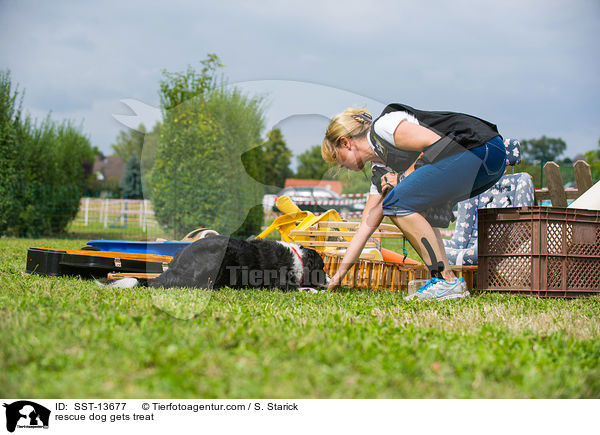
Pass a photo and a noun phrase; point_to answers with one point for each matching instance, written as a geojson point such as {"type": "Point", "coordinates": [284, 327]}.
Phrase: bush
{"type": "Point", "coordinates": [45, 175]}
{"type": "Point", "coordinates": [241, 118]}
{"type": "Point", "coordinates": [187, 179]}
{"type": "Point", "coordinates": [10, 132]}
{"type": "Point", "coordinates": [198, 179]}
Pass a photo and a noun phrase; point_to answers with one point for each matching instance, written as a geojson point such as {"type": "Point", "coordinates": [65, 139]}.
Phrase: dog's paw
{"type": "Point", "coordinates": [125, 283]}
{"type": "Point", "coordinates": [310, 290]}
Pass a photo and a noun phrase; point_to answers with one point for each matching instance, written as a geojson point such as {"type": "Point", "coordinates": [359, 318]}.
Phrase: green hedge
{"type": "Point", "coordinates": [10, 137]}
{"type": "Point", "coordinates": [41, 187]}
{"type": "Point", "coordinates": [198, 178]}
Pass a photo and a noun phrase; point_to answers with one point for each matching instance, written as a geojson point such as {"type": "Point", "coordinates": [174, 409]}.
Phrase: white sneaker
{"type": "Point", "coordinates": [436, 289]}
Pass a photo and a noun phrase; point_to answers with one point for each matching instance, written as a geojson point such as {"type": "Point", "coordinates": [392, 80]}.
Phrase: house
{"type": "Point", "coordinates": [109, 168]}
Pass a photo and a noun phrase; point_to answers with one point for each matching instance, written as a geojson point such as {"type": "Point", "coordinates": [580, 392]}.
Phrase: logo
{"type": "Point", "coordinates": [379, 148]}
{"type": "Point", "coordinates": [26, 415]}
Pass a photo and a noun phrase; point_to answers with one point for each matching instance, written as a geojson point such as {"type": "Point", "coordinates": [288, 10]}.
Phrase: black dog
{"type": "Point", "coordinates": [219, 261]}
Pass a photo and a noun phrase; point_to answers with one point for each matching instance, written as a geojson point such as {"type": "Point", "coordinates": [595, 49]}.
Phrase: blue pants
{"type": "Point", "coordinates": [452, 179]}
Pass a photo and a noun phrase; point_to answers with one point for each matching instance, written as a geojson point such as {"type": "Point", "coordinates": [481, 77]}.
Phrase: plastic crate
{"type": "Point", "coordinates": [541, 251]}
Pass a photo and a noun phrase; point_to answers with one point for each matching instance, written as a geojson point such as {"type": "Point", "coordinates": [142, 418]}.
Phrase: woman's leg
{"type": "Point", "coordinates": [452, 179]}
{"type": "Point", "coordinates": [427, 241]}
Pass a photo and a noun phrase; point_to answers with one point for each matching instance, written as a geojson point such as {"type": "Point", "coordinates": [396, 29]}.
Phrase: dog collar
{"type": "Point", "coordinates": [301, 263]}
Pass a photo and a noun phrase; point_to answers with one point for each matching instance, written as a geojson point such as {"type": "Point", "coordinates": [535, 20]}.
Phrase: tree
{"type": "Point", "coordinates": [593, 158]}
{"type": "Point", "coordinates": [54, 157]}
{"type": "Point", "coordinates": [131, 185]}
{"type": "Point", "coordinates": [197, 178]}
{"type": "Point", "coordinates": [312, 166]}
{"type": "Point", "coordinates": [43, 169]}
{"type": "Point", "coordinates": [10, 140]}
{"type": "Point", "coordinates": [543, 149]}
{"type": "Point", "coordinates": [178, 87]}
{"type": "Point", "coordinates": [151, 142]}
{"type": "Point", "coordinates": [276, 157]}
{"type": "Point", "coordinates": [129, 142]}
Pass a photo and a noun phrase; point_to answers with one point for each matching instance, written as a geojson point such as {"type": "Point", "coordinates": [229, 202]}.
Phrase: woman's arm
{"type": "Point", "coordinates": [414, 137]}
{"type": "Point", "coordinates": [371, 218]}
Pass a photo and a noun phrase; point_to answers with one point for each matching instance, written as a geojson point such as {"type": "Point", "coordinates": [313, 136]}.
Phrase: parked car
{"type": "Point", "coordinates": [301, 195]}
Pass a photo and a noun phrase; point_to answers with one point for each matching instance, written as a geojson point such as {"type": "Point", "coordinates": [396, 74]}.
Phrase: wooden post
{"type": "Point", "coordinates": [141, 213]}
{"type": "Point", "coordinates": [105, 212]}
{"type": "Point", "coordinates": [384, 275]}
{"type": "Point", "coordinates": [555, 185]}
{"type": "Point", "coordinates": [86, 211]}
{"type": "Point", "coordinates": [361, 274]}
{"type": "Point", "coordinates": [583, 176]}
{"type": "Point", "coordinates": [144, 221]}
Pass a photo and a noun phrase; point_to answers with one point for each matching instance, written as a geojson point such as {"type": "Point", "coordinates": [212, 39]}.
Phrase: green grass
{"type": "Point", "coordinates": [63, 337]}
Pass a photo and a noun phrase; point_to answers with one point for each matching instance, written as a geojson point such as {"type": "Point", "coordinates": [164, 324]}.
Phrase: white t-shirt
{"type": "Point", "coordinates": [385, 128]}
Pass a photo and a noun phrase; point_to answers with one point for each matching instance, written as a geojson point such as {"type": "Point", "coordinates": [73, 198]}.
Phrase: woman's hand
{"type": "Point", "coordinates": [388, 181]}
{"type": "Point", "coordinates": [371, 218]}
{"type": "Point", "coordinates": [334, 283]}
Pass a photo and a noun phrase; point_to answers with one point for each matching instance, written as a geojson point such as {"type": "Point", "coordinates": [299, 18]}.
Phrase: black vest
{"type": "Point", "coordinates": [459, 132]}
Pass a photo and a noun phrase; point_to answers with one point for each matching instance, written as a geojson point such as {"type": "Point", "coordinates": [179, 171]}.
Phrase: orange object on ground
{"type": "Point", "coordinates": [394, 257]}
{"type": "Point", "coordinates": [110, 254]}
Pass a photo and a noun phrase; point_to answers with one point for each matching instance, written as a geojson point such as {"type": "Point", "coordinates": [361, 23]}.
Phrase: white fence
{"type": "Point", "coordinates": [116, 212]}
{"type": "Point", "coordinates": [139, 212]}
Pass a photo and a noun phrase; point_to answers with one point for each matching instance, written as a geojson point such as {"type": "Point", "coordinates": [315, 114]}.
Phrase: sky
{"type": "Point", "coordinates": [531, 67]}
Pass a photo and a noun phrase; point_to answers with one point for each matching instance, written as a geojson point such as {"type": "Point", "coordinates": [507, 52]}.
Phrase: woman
{"type": "Point", "coordinates": [422, 162]}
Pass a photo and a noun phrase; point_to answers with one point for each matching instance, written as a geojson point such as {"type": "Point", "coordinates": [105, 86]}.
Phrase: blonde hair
{"type": "Point", "coordinates": [349, 123]}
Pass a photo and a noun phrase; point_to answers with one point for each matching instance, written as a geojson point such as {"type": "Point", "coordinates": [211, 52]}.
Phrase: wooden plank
{"type": "Point", "coordinates": [361, 274]}
{"type": "Point", "coordinates": [309, 243]}
{"type": "Point", "coordinates": [544, 194]}
{"type": "Point", "coordinates": [353, 276]}
{"type": "Point", "coordinates": [378, 278]}
{"type": "Point", "coordinates": [132, 275]}
{"type": "Point", "coordinates": [333, 265]}
{"type": "Point", "coordinates": [334, 224]}
{"type": "Point", "coordinates": [322, 233]}
{"type": "Point", "coordinates": [555, 184]}
{"type": "Point", "coordinates": [583, 176]}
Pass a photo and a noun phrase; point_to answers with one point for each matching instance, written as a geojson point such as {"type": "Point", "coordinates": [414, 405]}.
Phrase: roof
{"type": "Point", "coordinates": [110, 167]}
{"type": "Point", "coordinates": [334, 185]}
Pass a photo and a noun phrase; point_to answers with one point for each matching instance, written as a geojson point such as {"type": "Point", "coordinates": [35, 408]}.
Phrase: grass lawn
{"type": "Point", "coordinates": [67, 338]}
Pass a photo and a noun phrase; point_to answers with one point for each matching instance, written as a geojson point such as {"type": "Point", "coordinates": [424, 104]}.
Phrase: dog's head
{"type": "Point", "coordinates": [314, 273]}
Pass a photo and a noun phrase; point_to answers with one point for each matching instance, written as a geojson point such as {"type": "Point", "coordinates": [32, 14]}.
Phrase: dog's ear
{"type": "Point", "coordinates": [314, 268]}
{"type": "Point", "coordinates": [310, 259]}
